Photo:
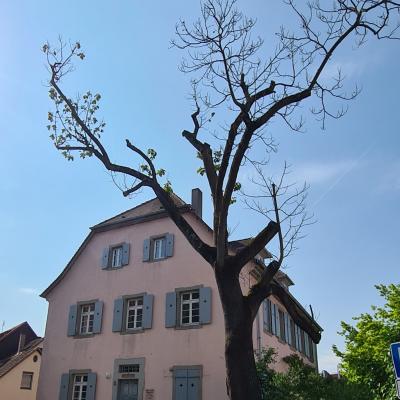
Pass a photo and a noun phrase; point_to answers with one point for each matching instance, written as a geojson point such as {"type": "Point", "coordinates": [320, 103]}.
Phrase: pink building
{"type": "Point", "coordinates": [135, 315]}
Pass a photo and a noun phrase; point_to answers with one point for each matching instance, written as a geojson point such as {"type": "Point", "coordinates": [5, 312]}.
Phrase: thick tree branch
{"type": "Point", "coordinates": [205, 151]}
{"type": "Point", "coordinates": [206, 251]}
{"type": "Point", "coordinates": [255, 246]}
{"type": "Point", "coordinates": [144, 156]}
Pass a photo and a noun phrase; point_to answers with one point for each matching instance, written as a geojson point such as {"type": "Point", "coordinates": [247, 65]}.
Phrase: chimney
{"type": "Point", "coordinates": [197, 201]}
{"type": "Point", "coordinates": [21, 342]}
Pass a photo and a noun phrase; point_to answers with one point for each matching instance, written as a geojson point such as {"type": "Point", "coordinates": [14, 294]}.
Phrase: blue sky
{"type": "Point", "coordinates": [48, 204]}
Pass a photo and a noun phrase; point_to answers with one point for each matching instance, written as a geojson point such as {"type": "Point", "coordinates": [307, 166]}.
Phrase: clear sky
{"type": "Point", "coordinates": [48, 204]}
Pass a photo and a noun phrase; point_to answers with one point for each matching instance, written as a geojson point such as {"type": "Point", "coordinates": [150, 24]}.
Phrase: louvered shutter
{"type": "Point", "coordinates": [105, 258]}
{"type": "Point", "coordinates": [73, 311]}
{"type": "Point", "coordinates": [273, 319]}
{"type": "Point", "coordinates": [98, 316]}
{"type": "Point", "coordinates": [205, 305]}
{"type": "Point", "coordinates": [118, 314]}
{"type": "Point", "coordinates": [278, 325]}
{"type": "Point", "coordinates": [170, 310]}
{"type": "Point", "coordinates": [169, 245]}
{"type": "Point", "coordinates": [146, 250]}
{"type": "Point", "coordinates": [91, 386]}
{"type": "Point", "coordinates": [148, 300]}
{"type": "Point", "coordinates": [125, 253]}
{"type": "Point", "coordinates": [64, 384]}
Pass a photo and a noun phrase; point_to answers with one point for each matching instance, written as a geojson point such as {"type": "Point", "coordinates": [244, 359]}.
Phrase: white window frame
{"type": "Point", "coordinates": [191, 301]}
{"type": "Point", "coordinates": [26, 375]}
{"type": "Point", "coordinates": [116, 256]}
{"type": "Point", "coordinates": [80, 386]}
{"type": "Point", "coordinates": [135, 308]}
{"type": "Point", "coordinates": [86, 328]}
{"type": "Point", "coordinates": [159, 246]}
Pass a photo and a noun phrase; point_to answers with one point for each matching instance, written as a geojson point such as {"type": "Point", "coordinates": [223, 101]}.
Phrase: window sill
{"type": "Point", "coordinates": [132, 331]}
{"type": "Point", "coordinates": [80, 336]}
{"type": "Point", "coordinates": [184, 327]}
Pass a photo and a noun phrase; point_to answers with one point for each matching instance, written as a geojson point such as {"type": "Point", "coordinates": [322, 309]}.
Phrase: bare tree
{"type": "Point", "coordinates": [222, 55]}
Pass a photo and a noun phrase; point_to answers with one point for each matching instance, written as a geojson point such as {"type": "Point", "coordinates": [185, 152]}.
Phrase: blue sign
{"type": "Point", "coordinates": [395, 350]}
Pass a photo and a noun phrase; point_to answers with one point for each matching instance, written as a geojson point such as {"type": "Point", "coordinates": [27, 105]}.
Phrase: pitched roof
{"type": "Point", "coordinates": [9, 340]}
{"type": "Point", "coordinates": [8, 364]}
{"type": "Point", "coordinates": [147, 211]}
{"type": "Point", "coordinates": [150, 209]}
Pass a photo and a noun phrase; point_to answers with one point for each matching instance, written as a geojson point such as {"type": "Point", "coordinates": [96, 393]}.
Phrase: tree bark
{"type": "Point", "coordinates": [241, 375]}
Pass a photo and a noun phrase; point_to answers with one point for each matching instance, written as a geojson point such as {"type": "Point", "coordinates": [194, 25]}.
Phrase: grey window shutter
{"type": "Point", "coordinates": [170, 310]}
{"type": "Point", "coordinates": [73, 311]}
{"type": "Point", "coordinates": [125, 253]}
{"type": "Point", "coordinates": [205, 305]}
{"type": "Point", "coordinates": [104, 263]}
{"type": "Point", "coordinates": [287, 329]}
{"type": "Point", "coordinates": [64, 384]}
{"type": "Point", "coordinates": [91, 386]}
{"type": "Point", "coordinates": [273, 319]}
{"type": "Point", "coordinates": [98, 314]}
{"type": "Point", "coordinates": [267, 314]}
{"type": "Point", "coordinates": [278, 325]}
{"type": "Point", "coordinates": [148, 300]}
{"type": "Point", "coordinates": [146, 250]}
{"type": "Point", "coordinates": [169, 245]}
{"type": "Point", "coordinates": [118, 314]}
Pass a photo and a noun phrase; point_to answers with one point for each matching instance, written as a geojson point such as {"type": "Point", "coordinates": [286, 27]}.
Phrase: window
{"type": "Point", "coordinates": [80, 386]}
{"type": "Point", "coordinates": [116, 257]}
{"type": "Point", "coordinates": [26, 381]}
{"type": "Point", "coordinates": [134, 313]}
{"type": "Point", "coordinates": [129, 368]}
{"type": "Point", "coordinates": [158, 247]}
{"type": "Point", "coordinates": [190, 308]}
{"type": "Point", "coordinates": [86, 319]}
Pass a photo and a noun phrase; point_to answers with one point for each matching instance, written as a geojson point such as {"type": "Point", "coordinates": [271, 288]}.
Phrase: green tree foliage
{"type": "Point", "coordinates": [303, 382]}
{"type": "Point", "coordinates": [366, 359]}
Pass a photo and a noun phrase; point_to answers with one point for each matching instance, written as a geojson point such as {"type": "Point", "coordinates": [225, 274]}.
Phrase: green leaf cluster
{"type": "Point", "coordinates": [366, 359]}
{"type": "Point", "coordinates": [302, 382]}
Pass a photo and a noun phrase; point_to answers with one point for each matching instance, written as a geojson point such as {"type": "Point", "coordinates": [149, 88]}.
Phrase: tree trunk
{"type": "Point", "coordinates": [242, 380]}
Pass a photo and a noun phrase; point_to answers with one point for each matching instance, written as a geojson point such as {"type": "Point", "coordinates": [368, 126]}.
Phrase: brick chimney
{"type": "Point", "coordinates": [197, 202]}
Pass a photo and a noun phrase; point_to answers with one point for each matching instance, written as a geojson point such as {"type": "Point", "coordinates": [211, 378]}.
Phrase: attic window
{"type": "Point", "coordinates": [26, 381]}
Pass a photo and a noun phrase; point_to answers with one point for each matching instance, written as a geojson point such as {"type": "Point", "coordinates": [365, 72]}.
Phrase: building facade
{"type": "Point", "coordinates": [135, 315]}
{"type": "Point", "coordinates": [20, 356]}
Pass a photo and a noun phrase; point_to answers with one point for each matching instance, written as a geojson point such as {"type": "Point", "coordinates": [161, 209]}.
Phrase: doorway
{"type": "Point", "coordinates": [127, 389]}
